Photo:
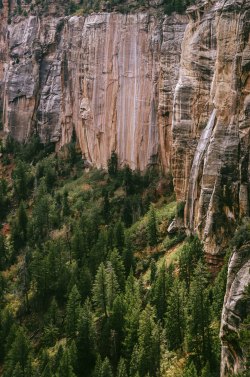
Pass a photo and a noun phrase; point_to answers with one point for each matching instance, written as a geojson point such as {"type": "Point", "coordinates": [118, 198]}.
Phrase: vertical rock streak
{"type": "Point", "coordinates": [194, 173]}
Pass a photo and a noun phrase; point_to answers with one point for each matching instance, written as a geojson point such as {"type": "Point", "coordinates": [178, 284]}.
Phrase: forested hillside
{"type": "Point", "coordinates": [81, 7]}
{"type": "Point", "coordinates": [92, 284]}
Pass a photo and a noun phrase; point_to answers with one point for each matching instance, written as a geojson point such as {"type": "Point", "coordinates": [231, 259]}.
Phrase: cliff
{"type": "Point", "coordinates": [109, 76]}
{"type": "Point", "coordinates": [210, 152]}
{"type": "Point", "coordinates": [167, 90]}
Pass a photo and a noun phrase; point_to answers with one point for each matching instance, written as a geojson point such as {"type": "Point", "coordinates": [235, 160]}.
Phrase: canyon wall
{"type": "Point", "coordinates": [167, 90]}
{"type": "Point", "coordinates": [210, 151]}
{"type": "Point", "coordinates": [111, 77]}
{"type": "Point", "coordinates": [210, 158]}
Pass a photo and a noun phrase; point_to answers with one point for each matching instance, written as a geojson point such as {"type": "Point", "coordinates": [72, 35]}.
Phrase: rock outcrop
{"type": "Point", "coordinates": [235, 309]}
{"type": "Point", "coordinates": [210, 153]}
{"type": "Point", "coordinates": [111, 77]}
{"type": "Point", "coordinates": [210, 159]}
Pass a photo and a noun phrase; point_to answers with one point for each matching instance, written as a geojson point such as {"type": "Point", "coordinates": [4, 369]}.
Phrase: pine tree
{"type": "Point", "coordinates": [175, 316]}
{"type": "Point", "coordinates": [16, 240]}
{"type": "Point", "coordinates": [50, 177]}
{"type": "Point", "coordinates": [133, 307]}
{"type": "Point", "coordinates": [4, 200]}
{"type": "Point", "coordinates": [73, 355]}
{"type": "Point", "coordinates": [128, 257]}
{"type": "Point", "coordinates": [119, 236]}
{"type": "Point", "coordinates": [190, 371]}
{"type": "Point", "coordinates": [85, 282]}
{"type": "Point", "coordinates": [106, 207]}
{"type": "Point", "coordinates": [112, 286]}
{"type": "Point", "coordinates": [127, 213]}
{"type": "Point", "coordinates": [40, 275]}
{"type": "Point", "coordinates": [152, 228]}
{"type": "Point", "coordinates": [106, 370]}
{"type": "Point", "coordinates": [85, 341]}
{"type": "Point", "coordinates": [134, 362]}
{"type": "Point", "coordinates": [206, 372]}
{"type": "Point", "coordinates": [44, 364]}
{"type": "Point", "coordinates": [153, 270]}
{"type": "Point", "coordinates": [98, 367]}
{"type": "Point", "coordinates": [19, 228]}
{"type": "Point", "coordinates": [21, 181]}
{"type": "Point", "coordinates": [191, 253]}
{"type": "Point", "coordinates": [72, 312]}
{"type": "Point", "coordinates": [128, 180]}
{"type": "Point", "coordinates": [99, 250]}
{"type": "Point", "coordinates": [40, 217]}
{"type": "Point", "coordinates": [18, 371]}
{"type": "Point", "coordinates": [149, 343]}
{"type": "Point", "coordinates": [3, 253]}
{"type": "Point", "coordinates": [22, 220]}
{"type": "Point", "coordinates": [18, 353]}
{"type": "Point", "coordinates": [65, 368]}
{"type": "Point", "coordinates": [58, 357]}
{"type": "Point", "coordinates": [198, 321]}
{"type": "Point", "coordinates": [113, 164]}
{"type": "Point", "coordinates": [118, 266]}
{"type": "Point", "coordinates": [79, 245]}
{"type": "Point", "coordinates": [6, 321]}
{"type": "Point", "coordinates": [122, 370]}
{"type": "Point", "coordinates": [117, 323]}
{"type": "Point", "coordinates": [65, 204]}
{"type": "Point", "coordinates": [53, 313]}
{"type": "Point", "coordinates": [160, 291]}
{"type": "Point", "coordinates": [100, 296]}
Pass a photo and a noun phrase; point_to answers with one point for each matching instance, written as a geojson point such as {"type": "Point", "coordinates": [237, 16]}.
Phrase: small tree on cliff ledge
{"type": "Point", "coordinates": [113, 164]}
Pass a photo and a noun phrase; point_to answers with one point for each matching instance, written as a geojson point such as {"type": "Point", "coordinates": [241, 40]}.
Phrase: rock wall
{"type": "Point", "coordinates": [111, 77]}
{"type": "Point", "coordinates": [210, 158]}
{"type": "Point", "coordinates": [235, 309]}
{"type": "Point", "coordinates": [210, 153]}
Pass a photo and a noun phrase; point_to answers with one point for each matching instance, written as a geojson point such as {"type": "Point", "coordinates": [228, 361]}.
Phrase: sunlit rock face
{"type": "Point", "coordinates": [210, 155]}
{"type": "Point", "coordinates": [109, 76]}
{"type": "Point", "coordinates": [210, 151]}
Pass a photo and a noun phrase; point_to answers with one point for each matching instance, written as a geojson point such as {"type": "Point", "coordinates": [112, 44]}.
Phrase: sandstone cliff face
{"type": "Point", "coordinates": [109, 76]}
{"type": "Point", "coordinates": [211, 122]}
{"type": "Point", "coordinates": [210, 154]}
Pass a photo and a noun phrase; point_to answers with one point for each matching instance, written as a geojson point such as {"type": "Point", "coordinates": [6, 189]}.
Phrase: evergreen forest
{"type": "Point", "coordinates": [84, 7]}
{"type": "Point", "coordinates": [92, 284]}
